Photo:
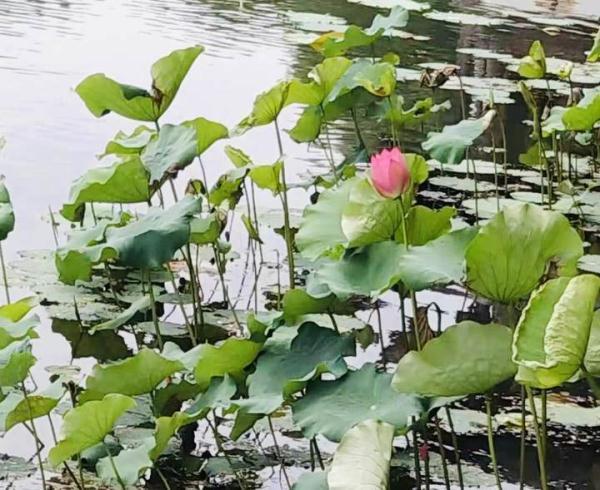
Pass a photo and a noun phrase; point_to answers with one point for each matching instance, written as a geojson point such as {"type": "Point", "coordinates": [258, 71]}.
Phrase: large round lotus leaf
{"type": "Point", "coordinates": [506, 260]}
{"type": "Point", "coordinates": [86, 425]}
{"type": "Point", "coordinates": [450, 145]}
{"type": "Point", "coordinates": [135, 375]}
{"type": "Point", "coordinates": [173, 149]}
{"type": "Point", "coordinates": [7, 216]}
{"type": "Point", "coordinates": [467, 358]}
{"type": "Point", "coordinates": [331, 408]}
{"type": "Point", "coordinates": [103, 95]}
{"type": "Point", "coordinates": [551, 338]}
{"type": "Point", "coordinates": [362, 459]}
{"type": "Point", "coordinates": [292, 357]}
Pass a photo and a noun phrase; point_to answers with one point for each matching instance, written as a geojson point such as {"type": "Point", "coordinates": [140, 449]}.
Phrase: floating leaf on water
{"type": "Point", "coordinates": [465, 18]}
{"type": "Point", "coordinates": [314, 22]}
{"type": "Point", "coordinates": [589, 263]}
{"type": "Point", "coordinates": [417, 6]}
{"type": "Point", "coordinates": [467, 358]}
{"type": "Point", "coordinates": [462, 184]}
{"type": "Point", "coordinates": [552, 334]}
{"type": "Point", "coordinates": [362, 459]}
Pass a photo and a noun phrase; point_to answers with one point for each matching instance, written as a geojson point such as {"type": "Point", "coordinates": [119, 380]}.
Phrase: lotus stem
{"type": "Point", "coordinates": [490, 434]}
{"type": "Point", "coordinates": [416, 454]}
{"type": "Point", "coordinates": [395, 140]}
{"type": "Point", "coordinates": [380, 329]}
{"type": "Point", "coordinates": [221, 448]}
{"type": "Point", "coordinates": [35, 435]}
{"type": "Point", "coordinates": [494, 158]}
{"type": "Point", "coordinates": [538, 439]}
{"type": "Point", "coordinates": [329, 156]}
{"type": "Point", "coordinates": [426, 458]}
{"type": "Point", "coordinates": [255, 215]}
{"type": "Point", "coordinates": [153, 310]}
{"type": "Point", "coordinates": [522, 445]}
{"type": "Point", "coordinates": [592, 382]}
{"type": "Point", "coordinates": [456, 448]}
{"type": "Point", "coordinates": [318, 453]}
{"type": "Point", "coordinates": [4, 277]}
{"type": "Point", "coordinates": [114, 466]}
{"type": "Point", "coordinates": [286, 211]}
{"type": "Point", "coordinates": [440, 440]}
{"type": "Point", "coordinates": [186, 320]}
{"type": "Point", "coordinates": [53, 225]}
{"type": "Point", "coordinates": [226, 297]}
{"type": "Point", "coordinates": [505, 153]}
{"type": "Point", "coordinates": [359, 135]}
{"type": "Point", "coordinates": [463, 105]}
{"type": "Point", "coordinates": [163, 479]}
{"type": "Point", "coordinates": [545, 426]}
{"type": "Point", "coordinates": [278, 452]}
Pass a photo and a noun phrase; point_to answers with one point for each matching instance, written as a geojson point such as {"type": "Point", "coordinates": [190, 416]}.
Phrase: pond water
{"type": "Point", "coordinates": [48, 46]}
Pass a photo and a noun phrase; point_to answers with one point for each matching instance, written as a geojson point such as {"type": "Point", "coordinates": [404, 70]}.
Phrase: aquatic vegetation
{"type": "Point", "coordinates": [151, 247]}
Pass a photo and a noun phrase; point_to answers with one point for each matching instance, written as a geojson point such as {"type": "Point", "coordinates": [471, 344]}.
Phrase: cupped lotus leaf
{"type": "Point", "coordinates": [451, 144]}
{"type": "Point", "coordinates": [7, 215]}
{"type": "Point", "coordinates": [586, 114]}
{"type": "Point", "coordinates": [534, 64]}
{"type": "Point", "coordinates": [228, 188]}
{"type": "Point", "coordinates": [219, 394]}
{"type": "Point", "coordinates": [331, 408]}
{"type": "Point", "coordinates": [438, 262]}
{"type": "Point", "coordinates": [424, 224]}
{"type": "Point", "coordinates": [321, 227]}
{"type": "Point", "coordinates": [206, 229]}
{"type": "Point", "coordinates": [298, 302]}
{"type": "Point", "coordinates": [267, 176]}
{"type": "Point", "coordinates": [467, 358]}
{"type": "Point", "coordinates": [337, 43]}
{"type": "Point", "coordinates": [123, 143]}
{"type": "Point", "coordinates": [312, 481]}
{"type": "Point", "coordinates": [378, 79]}
{"type": "Point", "coordinates": [368, 217]}
{"type": "Point", "coordinates": [143, 303]}
{"type": "Point", "coordinates": [125, 181]}
{"type": "Point", "coordinates": [552, 335]}
{"type": "Point", "coordinates": [102, 95]}
{"type": "Point", "coordinates": [594, 54]}
{"type": "Point", "coordinates": [131, 463]}
{"type": "Point", "coordinates": [267, 107]}
{"type": "Point", "coordinates": [237, 156]}
{"type": "Point", "coordinates": [554, 123]}
{"type": "Point", "coordinates": [292, 357]}
{"type": "Point", "coordinates": [19, 330]}
{"type": "Point", "coordinates": [592, 354]}
{"type": "Point", "coordinates": [308, 126]}
{"type": "Point", "coordinates": [16, 409]}
{"type": "Point", "coordinates": [173, 149]}
{"type": "Point", "coordinates": [512, 251]}
{"type": "Point", "coordinates": [86, 425]}
{"type": "Point", "coordinates": [133, 376]}
{"type": "Point", "coordinates": [362, 459]}
{"type": "Point", "coordinates": [229, 357]}
{"type": "Point", "coordinates": [17, 310]}
{"type": "Point", "coordinates": [393, 110]}
{"type": "Point", "coordinates": [15, 361]}
{"type": "Point", "coordinates": [207, 133]}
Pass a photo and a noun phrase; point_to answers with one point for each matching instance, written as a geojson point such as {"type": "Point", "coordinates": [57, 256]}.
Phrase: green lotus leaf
{"type": "Point", "coordinates": [229, 357]}
{"type": "Point", "coordinates": [362, 459]}
{"type": "Point", "coordinates": [18, 330]}
{"type": "Point", "coordinates": [321, 227]}
{"type": "Point", "coordinates": [102, 95]}
{"type": "Point", "coordinates": [15, 409]}
{"type": "Point", "coordinates": [592, 354]}
{"type": "Point", "coordinates": [206, 229]}
{"type": "Point", "coordinates": [551, 337]}
{"type": "Point", "coordinates": [534, 64]}
{"type": "Point", "coordinates": [15, 361]}
{"type": "Point", "coordinates": [125, 181]}
{"type": "Point", "coordinates": [378, 79]}
{"type": "Point", "coordinates": [594, 54]}
{"type": "Point", "coordinates": [18, 309]}
{"type": "Point", "coordinates": [86, 425]}
{"type": "Point", "coordinates": [554, 123]}
{"type": "Point", "coordinates": [292, 357]}
{"type": "Point", "coordinates": [133, 376]}
{"type": "Point", "coordinates": [237, 157]}
{"type": "Point", "coordinates": [131, 463]}
{"type": "Point", "coordinates": [331, 408]}
{"type": "Point", "coordinates": [298, 302]}
{"type": "Point", "coordinates": [451, 144]}
{"type": "Point", "coordinates": [267, 176]}
{"type": "Point", "coordinates": [312, 481]}
{"type": "Point", "coordinates": [424, 224]}
{"type": "Point", "coordinates": [7, 215]}
{"type": "Point", "coordinates": [308, 126]}
{"type": "Point", "coordinates": [228, 188]}
{"type": "Point", "coordinates": [586, 114]}
{"type": "Point", "coordinates": [267, 107]}
{"type": "Point", "coordinates": [511, 253]}
{"type": "Point", "coordinates": [134, 143]}
{"type": "Point", "coordinates": [467, 358]}
{"type": "Point", "coordinates": [207, 133]}
{"type": "Point", "coordinates": [393, 110]}
{"type": "Point", "coordinates": [251, 229]}
{"type": "Point", "coordinates": [336, 43]}
{"type": "Point", "coordinates": [141, 304]}
{"type": "Point", "coordinates": [219, 394]}
{"type": "Point", "coordinates": [173, 149]}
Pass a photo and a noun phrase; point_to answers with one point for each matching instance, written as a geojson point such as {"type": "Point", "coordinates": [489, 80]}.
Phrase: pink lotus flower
{"type": "Point", "coordinates": [389, 173]}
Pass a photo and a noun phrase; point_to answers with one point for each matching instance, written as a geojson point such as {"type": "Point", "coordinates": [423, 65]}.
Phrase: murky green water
{"type": "Point", "coordinates": [49, 46]}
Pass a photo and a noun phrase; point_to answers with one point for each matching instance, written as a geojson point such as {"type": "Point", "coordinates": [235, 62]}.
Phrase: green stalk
{"type": "Point", "coordinates": [226, 297]}
{"type": "Point", "coordinates": [163, 479]}
{"type": "Point", "coordinates": [442, 451]}
{"type": "Point", "coordinates": [538, 439]}
{"type": "Point", "coordinates": [456, 448]}
{"type": "Point", "coordinates": [278, 452]}
{"type": "Point", "coordinates": [490, 434]}
{"type": "Point", "coordinates": [286, 211]}
{"type": "Point", "coordinates": [35, 435]}
{"type": "Point", "coordinates": [357, 128]}
{"type": "Point", "coordinates": [416, 456]}
{"type": "Point", "coordinates": [381, 343]}
{"type": "Point", "coordinates": [495, 169]}
{"type": "Point", "coordinates": [153, 309]}
{"type": "Point", "coordinates": [4, 278]}
{"type": "Point", "coordinates": [114, 467]}
{"type": "Point", "coordinates": [522, 445]}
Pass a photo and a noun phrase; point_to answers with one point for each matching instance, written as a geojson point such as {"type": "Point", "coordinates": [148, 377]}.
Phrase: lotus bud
{"type": "Point", "coordinates": [389, 173]}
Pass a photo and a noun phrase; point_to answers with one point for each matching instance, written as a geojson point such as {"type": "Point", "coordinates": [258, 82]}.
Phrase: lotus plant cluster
{"type": "Point", "coordinates": [149, 233]}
